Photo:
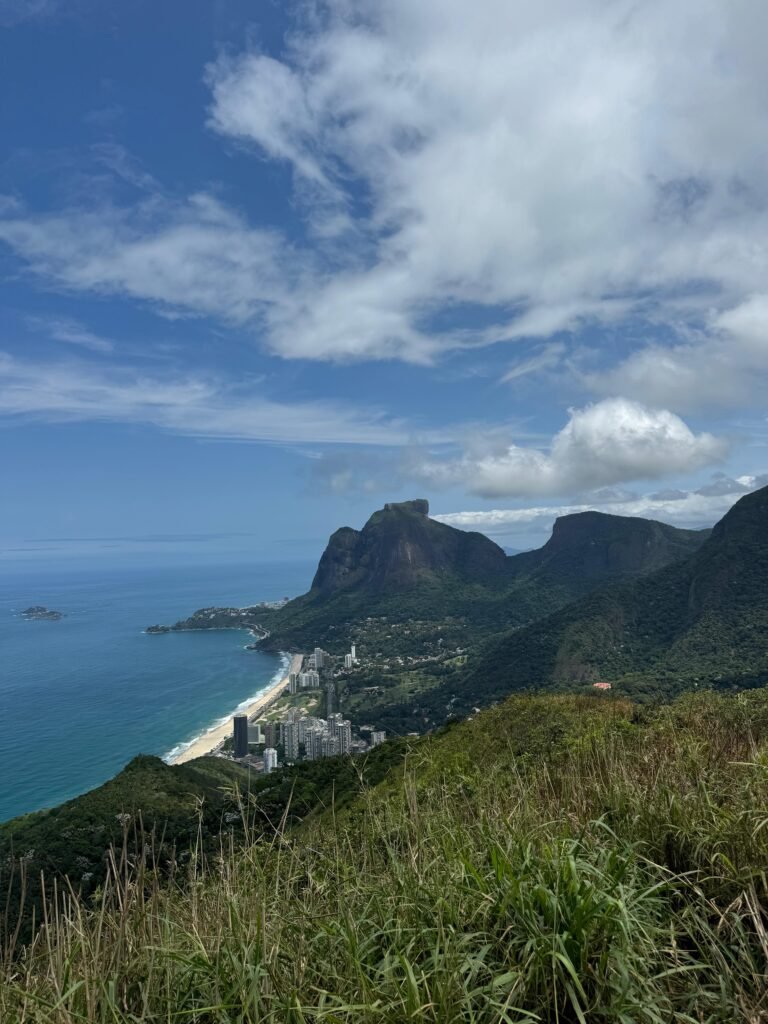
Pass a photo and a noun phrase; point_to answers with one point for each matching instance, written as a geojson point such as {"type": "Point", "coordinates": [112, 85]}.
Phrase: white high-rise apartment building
{"type": "Point", "coordinates": [319, 657]}
{"type": "Point", "coordinates": [314, 742]}
{"type": "Point", "coordinates": [270, 759]}
{"type": "Point", "coordinates": [290, 732]}
{"type": "Point", "coordinates": [341, 728]}
{"type": "Point", "coordinates": [330, 745]}
{"type": "Point", "coordinates": [378, 736]}
{"type": "Point", "coordinates": [343, 732]}
{"type": "Point", "coordinates": [310, 679]}
{"type": "Point", "coordinates": [352, 652]}
{"type": "Point", "coordinates": [348, 661]}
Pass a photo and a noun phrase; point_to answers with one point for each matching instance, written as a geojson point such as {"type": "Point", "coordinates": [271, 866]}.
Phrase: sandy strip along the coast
{"type": "Point", "coordinates": [211, 740]}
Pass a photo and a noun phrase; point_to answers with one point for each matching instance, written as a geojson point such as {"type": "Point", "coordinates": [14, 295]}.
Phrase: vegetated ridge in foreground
{"type": "Point", "coordinates": [555, 859]}
{"type": "Point", "coordinates": [157, 814]}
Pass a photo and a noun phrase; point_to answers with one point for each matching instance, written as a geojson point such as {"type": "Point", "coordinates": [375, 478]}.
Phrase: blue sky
{"type": "Point", "coordinates": [264, 267]}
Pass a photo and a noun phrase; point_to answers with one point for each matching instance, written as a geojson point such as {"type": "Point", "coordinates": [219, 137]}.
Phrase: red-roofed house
{"type": "Point", "coordinates": [601, 686]}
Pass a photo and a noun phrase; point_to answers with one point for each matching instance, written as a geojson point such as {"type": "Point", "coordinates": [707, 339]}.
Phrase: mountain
{"type": "Point", "coordinates": [403, 564]}
{"type": "Point", "coordinates": [594, 545]}
{"type": "Point", "coordinates": [700, 621]}
{"type": "Point", "coordinates": [398, 547]}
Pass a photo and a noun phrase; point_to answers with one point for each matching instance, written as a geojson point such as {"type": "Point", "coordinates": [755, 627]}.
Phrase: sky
{"type": "Point", "coordinates": [266, 266]}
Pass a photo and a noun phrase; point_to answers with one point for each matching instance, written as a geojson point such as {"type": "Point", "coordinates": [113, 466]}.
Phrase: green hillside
{"type": "Point", "coordinates": [556, 859]}
{"type": "Point", "coordinates": [700, 622]}
{"type": "Point", "coordinates": [403, 565]}
{"type": "Point", "coordinates": [159, 816]}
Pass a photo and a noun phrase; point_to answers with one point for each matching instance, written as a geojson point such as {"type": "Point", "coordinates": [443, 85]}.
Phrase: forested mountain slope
{"type": "Point", "coordinates": [403, 564]}
{"type": "Point", "coordinates": [701, 621]}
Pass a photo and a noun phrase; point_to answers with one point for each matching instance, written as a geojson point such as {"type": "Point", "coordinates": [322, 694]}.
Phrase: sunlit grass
{"type": "Point", "coordinates": [553, 860]}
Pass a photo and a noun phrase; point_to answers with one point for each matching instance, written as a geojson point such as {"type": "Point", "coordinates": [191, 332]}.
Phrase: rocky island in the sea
{"type": "Point", "coordinates": [38, 611]}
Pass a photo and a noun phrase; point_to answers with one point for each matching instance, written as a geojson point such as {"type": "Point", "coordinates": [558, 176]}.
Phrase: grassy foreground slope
{"type": "Point", "coordinates": [555, 859]}
{"type": "Point", "coordinates": [158, 816]}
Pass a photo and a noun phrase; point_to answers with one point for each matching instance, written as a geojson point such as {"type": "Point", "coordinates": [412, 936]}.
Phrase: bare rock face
{"type": "Point", "coordinates": [399, 546]}
{"type": "Point", "coordinates": [416, 505]}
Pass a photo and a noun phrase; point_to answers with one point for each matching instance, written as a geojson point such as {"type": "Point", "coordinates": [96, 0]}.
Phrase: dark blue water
{"type": "Point", "coordinates": [80, 697]}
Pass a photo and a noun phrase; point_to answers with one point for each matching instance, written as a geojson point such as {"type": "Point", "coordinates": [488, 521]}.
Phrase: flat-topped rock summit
{"type": "Point", "coordinates": [400, 546]}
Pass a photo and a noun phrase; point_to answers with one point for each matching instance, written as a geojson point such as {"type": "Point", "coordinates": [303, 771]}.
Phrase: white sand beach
{"type": "Point", "coordinates": [211, 740]}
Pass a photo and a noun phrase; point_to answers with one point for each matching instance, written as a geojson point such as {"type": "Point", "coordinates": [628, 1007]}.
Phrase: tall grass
{"type": "Point", "coordinates": [555, 860]}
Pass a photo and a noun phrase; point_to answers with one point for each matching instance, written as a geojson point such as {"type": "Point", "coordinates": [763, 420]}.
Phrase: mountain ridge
{"type": "Point", "coordinates": [404, 564]}
{"type": "Point", "coordinates": [695, 622]}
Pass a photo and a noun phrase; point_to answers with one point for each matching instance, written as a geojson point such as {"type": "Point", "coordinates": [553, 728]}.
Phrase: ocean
{"type": "Point", "coordinates": [80, 697]}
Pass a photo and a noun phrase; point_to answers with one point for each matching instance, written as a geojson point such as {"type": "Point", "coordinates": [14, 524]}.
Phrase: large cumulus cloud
{"type": "Point", "coordinates": [611, 442]}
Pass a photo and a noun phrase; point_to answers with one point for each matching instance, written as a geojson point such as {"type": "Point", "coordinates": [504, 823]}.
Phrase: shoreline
{"type": "Point", "coordinates": [212, 739]}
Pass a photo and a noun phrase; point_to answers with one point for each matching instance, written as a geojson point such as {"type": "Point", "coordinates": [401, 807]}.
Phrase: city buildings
{"type": "Point", "coordinates": [329, 745]}
{"type": "Point", "coordinates": [341, 729]}
{"type": "Point", "coordinates": [309, 680]}
{"type": "Point", "coordinates": [271, 733]}
{"type": "Point", "coordinates": [240, 732]}
{"type": "Point", "coordinates": [301, 735]}
{"type": "Point", "coordinates": [290, 737]}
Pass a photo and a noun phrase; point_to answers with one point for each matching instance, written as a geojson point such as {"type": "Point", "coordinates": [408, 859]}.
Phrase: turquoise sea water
{"type": "Point", "coordinates": [80, 697]}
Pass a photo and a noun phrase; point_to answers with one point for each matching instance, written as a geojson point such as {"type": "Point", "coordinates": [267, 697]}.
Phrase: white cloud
{"type": "Point", "coordinates": [186, 404]}
{"type": "Point", "coordinates": [724, 365]}
{"type": "Point", "coordinates": [560, 160]}
{"type": "Point", "coordinates": [71, 332]}
{"type": "Point", "coordinates": [686, 509]}
{"type": "Point", "coordinates": [283, 125]}
{"type": "Point", "coordinates": [612, 442]}
{"type": "Point", "coordinates": [199, 256]}
{"type": "Point", "coordinates": [549, 356]}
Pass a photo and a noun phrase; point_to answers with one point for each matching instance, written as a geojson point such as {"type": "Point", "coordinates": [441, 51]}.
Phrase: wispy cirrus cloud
{"type": "Point", "coordinates": [70, 331]}
{"type": "Point", "coordinates": [724, 364]}
{"type": "Point", "coordinates": [197, 257]}
{"type": "Point", "coordinates": [204, 407]}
